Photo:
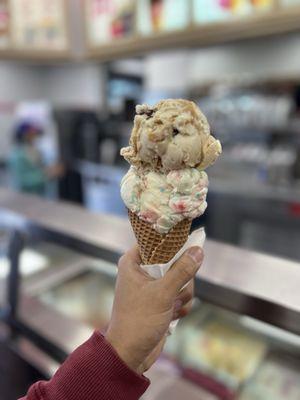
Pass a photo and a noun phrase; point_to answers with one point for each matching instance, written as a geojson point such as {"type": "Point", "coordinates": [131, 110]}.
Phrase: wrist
{"type": "Point", "coordinates": [126, 353]}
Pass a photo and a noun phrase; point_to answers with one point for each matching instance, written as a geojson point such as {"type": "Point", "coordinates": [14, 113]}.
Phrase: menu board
{"type": "Point", "coordinates": [4, 24]}
{"type": "Point", "coordinates": [162, 15]}
{"type": "Point", "coordinates": [206, 11]}
{"type": "Point", "coordinates": [109, 19]}
{"type": "Point", "coordinates": [39, 24]}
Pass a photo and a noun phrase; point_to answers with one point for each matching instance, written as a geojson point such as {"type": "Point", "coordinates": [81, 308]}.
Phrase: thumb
{"type": "Point", "coordinates": [183, 270]}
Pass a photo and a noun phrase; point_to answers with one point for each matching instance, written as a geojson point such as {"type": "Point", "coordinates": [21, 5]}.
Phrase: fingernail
{"type": "Point", "coordinates": [178, 305]}
{"type": "Point", "coordinates": [196, 254]}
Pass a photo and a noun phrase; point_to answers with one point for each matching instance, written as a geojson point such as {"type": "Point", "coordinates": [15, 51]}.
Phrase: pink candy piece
{"type": "Point", "coordinates": [178, 205]}
{"type": "Point", "coordinates": [149, 216]}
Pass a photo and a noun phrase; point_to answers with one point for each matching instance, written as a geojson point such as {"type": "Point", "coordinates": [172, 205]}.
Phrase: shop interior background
{"type": "Point", "coordinates": [78, 68]}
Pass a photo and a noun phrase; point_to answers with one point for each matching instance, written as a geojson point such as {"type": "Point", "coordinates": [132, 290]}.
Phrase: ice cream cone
{"type": "Point", "coordinates": [156, 248]}
{"type": "Point", "coordinates": [169, 149]}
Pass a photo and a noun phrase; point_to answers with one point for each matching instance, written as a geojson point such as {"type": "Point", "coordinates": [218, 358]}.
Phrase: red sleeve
{"type": "Point", "coordinates": [92, 372]}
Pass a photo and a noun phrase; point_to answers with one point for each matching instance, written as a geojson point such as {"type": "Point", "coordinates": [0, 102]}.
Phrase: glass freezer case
{"type": "Point", "coordinates": [241, 341]}
{"type": "Point", "coordinates": [214, 352]}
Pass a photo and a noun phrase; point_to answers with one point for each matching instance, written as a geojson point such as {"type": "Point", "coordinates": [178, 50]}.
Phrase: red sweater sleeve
{"type": "Point", "coordinates": [92, 372]}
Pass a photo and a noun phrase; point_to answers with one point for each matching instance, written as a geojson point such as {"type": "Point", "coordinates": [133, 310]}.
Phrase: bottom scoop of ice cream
{"type": "Point", "coordinates": [164, 200]}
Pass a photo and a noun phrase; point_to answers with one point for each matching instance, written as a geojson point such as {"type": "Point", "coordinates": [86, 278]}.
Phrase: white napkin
{"type": "Point", "coordinates": [157, 271]}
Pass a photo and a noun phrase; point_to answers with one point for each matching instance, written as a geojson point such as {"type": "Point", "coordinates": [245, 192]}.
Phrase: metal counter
{"type": "Point", "coordinates": [93, 234]}
{"type": "Point", "coordinates": [242, 210]}
{"type": "Point", "coordinates": [261, 286]}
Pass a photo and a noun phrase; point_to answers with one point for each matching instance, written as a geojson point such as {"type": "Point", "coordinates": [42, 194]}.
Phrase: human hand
{"type": "Point", "coordinates": [144, 307]}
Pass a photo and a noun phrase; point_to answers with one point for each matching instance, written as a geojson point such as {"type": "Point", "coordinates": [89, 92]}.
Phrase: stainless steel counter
{"type": "Point", "coordinates": [255, 190]}
{"type": "Point", "coordinates": [104, 232]}
{"type": "Point", "coordinates": [244, 281]}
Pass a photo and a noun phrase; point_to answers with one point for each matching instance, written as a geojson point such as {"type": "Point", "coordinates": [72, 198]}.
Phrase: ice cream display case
{"type": "Point", "coordinates": [240, 341]}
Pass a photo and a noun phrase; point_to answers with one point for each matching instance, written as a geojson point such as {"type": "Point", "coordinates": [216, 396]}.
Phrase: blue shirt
{"type": "Point", "coordinates": [27, 169]}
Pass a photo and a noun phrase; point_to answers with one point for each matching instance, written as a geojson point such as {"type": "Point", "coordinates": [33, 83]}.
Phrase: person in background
{"type": "Point", "coordinates": [111, 367]}
{"type": "Point", "coordinates": [26, 166]}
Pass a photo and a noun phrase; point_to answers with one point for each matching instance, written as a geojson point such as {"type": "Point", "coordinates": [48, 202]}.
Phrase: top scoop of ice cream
{"type": "Point", "coordinates": [172, 135]}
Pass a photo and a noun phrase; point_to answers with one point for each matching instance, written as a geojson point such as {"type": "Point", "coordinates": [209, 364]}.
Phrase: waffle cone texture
{"type": "Point", "coordinates": [154, 247]}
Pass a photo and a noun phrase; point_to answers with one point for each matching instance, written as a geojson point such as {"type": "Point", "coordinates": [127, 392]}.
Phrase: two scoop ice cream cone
{"type": "Point", "coordinates": [166, 186]}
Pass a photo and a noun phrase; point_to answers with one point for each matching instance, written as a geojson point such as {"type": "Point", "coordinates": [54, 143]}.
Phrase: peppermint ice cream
{"type": "Point", "coordinates": [164, 200]}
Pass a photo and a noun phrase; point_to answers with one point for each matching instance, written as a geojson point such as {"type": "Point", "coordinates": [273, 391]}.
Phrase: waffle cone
{"type": "Point", "coordinates": [154, 247]}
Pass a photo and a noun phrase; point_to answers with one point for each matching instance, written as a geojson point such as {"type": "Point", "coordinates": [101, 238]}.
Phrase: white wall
{"type": "Point", "coordinates": [276, 56]}
{"type": "Point", "coordinates": [17, 83]}
{"type": "Point", "coordinates": [168, 70]}
{"type": "Point", "coordinates": [79, 85]}
{"type": "Point", "coordinates": [271, 57]}
{"type": "Point", "coordinates": [82, 85]}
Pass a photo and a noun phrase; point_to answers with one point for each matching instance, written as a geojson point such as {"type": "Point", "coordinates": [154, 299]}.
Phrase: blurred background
{"type": "Point", "coordinates": [71, 73]}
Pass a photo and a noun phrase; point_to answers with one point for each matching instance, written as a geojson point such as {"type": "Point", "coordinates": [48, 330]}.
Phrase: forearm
{"type": "Point", "coordinates": [93, 372]}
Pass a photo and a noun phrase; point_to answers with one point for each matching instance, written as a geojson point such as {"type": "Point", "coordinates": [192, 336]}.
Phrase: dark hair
{"type": "Point", "coordinates": [22, 130]}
